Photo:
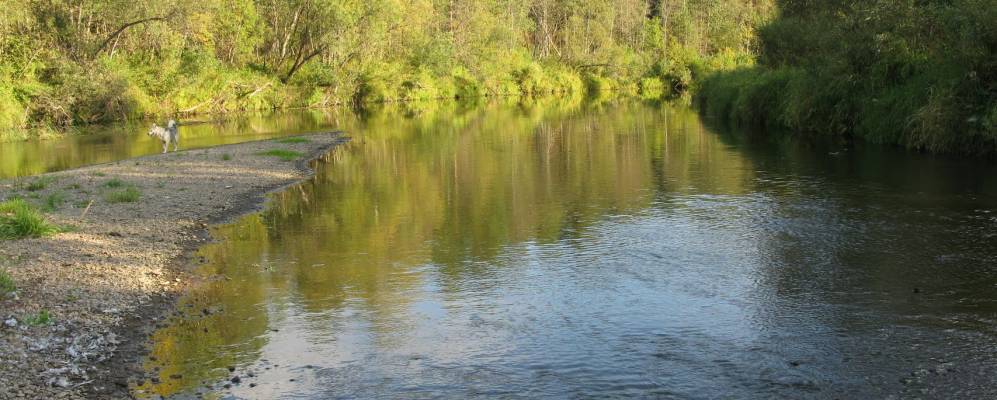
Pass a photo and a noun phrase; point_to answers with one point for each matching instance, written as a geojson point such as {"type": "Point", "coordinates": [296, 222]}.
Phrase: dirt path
{"type": "Point", "coordinates": [107, 282]}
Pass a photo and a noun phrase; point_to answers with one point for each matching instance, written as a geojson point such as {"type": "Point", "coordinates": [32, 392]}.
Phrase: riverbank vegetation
{"type": "Point", "coordinates": [918, 74]}
{"type": "Point", "coordinates": [64, 63]}
{"type": "Point", "coordinates": [18, 219]}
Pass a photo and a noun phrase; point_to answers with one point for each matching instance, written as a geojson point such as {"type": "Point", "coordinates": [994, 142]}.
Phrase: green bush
{"type": "Point", "coordinates": [533, 81]}
{"type": "Point", "coordinates": [421, 86]}
{"type": "Point", "coordinates": [566, 81]}
{"type": "Point", "coordinates": [598, 84]}
{"type": "Point", "coordinates": [651, 88]}
{"type": "Point", "coordinates": [466, 86]}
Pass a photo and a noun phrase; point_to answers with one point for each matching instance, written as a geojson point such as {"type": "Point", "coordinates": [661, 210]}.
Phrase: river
{"type": "Point", "coordinates": [594, 251]}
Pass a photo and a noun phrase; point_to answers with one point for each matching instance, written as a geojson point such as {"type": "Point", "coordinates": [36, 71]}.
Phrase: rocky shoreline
{"type": "Point", "coordinates": [87, 298]}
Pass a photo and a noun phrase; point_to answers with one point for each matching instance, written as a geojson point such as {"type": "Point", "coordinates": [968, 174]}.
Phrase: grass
{"type": "Point", "coordinates": [40, 183]}
{"type": "Point", "coordinates": [54, 201]}
{"type": "Point", "coordinates": [283, 154]}
{"type": "Point", "coordinates": [292, 140]}
{"type": "Point", "coordinates": [114, 183]}
{"type": "Point", "coordinates": [18, 219]}
{"type": "Point", "coordinates": [226, 157]}
{"type": "Point", "coordinates": [6, 282]}
{"type": "Point", "coordinates": [42, 318]}
{"type": "Point", "coordinates": [127, 195]}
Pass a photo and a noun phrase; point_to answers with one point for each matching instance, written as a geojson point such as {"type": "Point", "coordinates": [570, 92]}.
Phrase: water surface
{"type": "Point", "coordinates": [100, 144]}
{"type": "Point", "coordinates": [586, 252]}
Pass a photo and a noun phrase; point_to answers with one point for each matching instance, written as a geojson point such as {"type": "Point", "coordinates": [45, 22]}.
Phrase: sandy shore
{"type": "Point", "coordinates": [108, 281]}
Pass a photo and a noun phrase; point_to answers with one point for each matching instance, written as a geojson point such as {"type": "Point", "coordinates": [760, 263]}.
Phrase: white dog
{"type": "Point", "coordinates": [167, 135]}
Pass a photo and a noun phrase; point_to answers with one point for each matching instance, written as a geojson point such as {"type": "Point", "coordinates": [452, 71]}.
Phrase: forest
{"type": "Point", "coordinates": [71, 62]}
{"type": "Point", "coordinates": [920, 74]}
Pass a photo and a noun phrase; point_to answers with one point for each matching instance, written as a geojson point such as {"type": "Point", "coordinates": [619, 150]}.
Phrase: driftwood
{"type": "Point", "coordinates": [86, 210]}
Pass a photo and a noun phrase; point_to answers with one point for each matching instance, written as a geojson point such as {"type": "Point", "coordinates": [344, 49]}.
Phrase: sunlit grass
{"type": "Point", "coordinates": [283, 154]}
{"type": "Point", "coordinates": [18, 219]}
{"type": "Point", "coordinates": [126, 195]}
{"type": "Point", "coordinates": [7, 284]}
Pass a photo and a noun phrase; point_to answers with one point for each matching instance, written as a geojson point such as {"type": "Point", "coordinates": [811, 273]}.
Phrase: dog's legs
{"type": "Point", "coordinates": [176, 145]}
{"type": "Point", "coordinates": [166, 145]}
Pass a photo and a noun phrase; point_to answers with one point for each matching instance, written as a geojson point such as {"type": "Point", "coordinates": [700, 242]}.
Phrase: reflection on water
{"type": "Point", "coordinates": [627, 250]}
{"type": "Point", "coordinates": [101, 144]}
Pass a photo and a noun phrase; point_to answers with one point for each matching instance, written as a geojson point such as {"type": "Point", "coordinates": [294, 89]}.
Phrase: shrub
{"type": "Point", "coordinates": [18, 219]}
{"type": "Point", "coordinates": [466, 86]}
{"type": "Point", "coordinates": [596, 84]}
{"type": "Point", "coordinates": [533, 81]}
{"type": "Point", "coordinates": [420, 86]}
{"type": "Point", "coordinates": [651, 88]}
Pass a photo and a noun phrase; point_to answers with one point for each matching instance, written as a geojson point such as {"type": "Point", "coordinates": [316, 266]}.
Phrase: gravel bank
{"type": "Point", "coordinates": [109, 280]}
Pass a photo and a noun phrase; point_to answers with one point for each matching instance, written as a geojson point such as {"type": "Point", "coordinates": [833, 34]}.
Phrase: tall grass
{"type": "Point", "coordinates": [18, 219]}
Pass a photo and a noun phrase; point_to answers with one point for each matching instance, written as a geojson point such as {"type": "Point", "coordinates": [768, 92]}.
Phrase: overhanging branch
{"type": "Point", "coordinates": [119, 31]}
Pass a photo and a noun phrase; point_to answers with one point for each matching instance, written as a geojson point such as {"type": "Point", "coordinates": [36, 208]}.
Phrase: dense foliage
{"type": "Point", "coordinates": [68, 62]}
{"type": "Point", "coordinates": [922, 74]}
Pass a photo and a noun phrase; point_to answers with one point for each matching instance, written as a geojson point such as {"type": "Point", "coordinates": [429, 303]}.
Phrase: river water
{"type": "Point", "coordinates": [572, 251]}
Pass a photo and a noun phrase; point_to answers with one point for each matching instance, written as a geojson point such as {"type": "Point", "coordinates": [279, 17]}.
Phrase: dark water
{"type": "Point", "coordinates": [597, 252]}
